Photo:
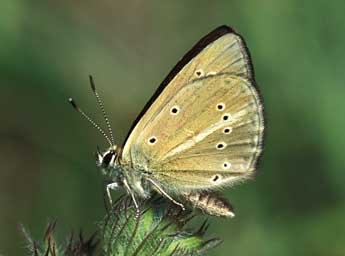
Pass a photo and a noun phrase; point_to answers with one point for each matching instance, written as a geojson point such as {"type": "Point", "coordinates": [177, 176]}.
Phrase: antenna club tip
{"type": "Point", "coordinates": [74, 105]}
{"type": "Point", "coordinates": [92, 83]}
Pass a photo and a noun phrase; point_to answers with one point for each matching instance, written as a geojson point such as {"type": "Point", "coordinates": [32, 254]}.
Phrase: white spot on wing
{"type": "Point", "coordinates": [240, 114]}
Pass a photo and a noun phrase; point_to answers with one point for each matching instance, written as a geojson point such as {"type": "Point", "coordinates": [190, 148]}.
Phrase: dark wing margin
{"type": "Point", "coordinates": [196, 49]}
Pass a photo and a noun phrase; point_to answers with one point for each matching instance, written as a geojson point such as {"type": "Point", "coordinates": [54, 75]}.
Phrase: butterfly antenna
{"type": "Point", "coordinates": [100, 103]}
{"type": "Point", "coordinates": [75, 106]}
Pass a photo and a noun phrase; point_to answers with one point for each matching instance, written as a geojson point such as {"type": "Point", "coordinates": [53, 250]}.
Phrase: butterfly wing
{"type": "Point", "coordinates": [205, 125]}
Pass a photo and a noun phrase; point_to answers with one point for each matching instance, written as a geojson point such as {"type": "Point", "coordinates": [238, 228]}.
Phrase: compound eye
{"type": "Point", "coordinates": [108, 158]}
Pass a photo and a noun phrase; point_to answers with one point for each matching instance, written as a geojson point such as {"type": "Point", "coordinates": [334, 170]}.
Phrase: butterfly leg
{"type": "Point", "coordinates": [160, 190]}
{"type": "Point", "coordinates": [112, 186]}
{"type": "Point", "coordinates": [129, 190]}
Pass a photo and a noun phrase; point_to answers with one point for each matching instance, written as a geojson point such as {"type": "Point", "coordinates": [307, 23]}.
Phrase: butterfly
{"type": "Point", "coordinates": [202, 130]}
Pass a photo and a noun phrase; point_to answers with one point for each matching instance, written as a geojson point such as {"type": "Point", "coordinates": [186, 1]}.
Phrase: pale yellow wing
{"type": "Point", "coordinates": [214, 139]}
{"type": "Point", "coordinates": [211, 102]}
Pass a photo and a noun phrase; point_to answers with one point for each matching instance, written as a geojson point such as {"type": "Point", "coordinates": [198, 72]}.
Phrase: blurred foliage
{"type": "Point", "coordinates": [48, 49]}
{"type": "Point", "coordinates": [158, 229]}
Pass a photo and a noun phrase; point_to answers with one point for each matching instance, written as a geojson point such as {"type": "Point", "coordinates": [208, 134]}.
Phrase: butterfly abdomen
{"type": "Point", "coordinates": [210, 203]}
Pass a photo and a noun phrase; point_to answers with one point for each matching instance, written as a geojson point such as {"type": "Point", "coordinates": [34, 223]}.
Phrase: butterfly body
{"type": "Point", "coordinates": [202, 129]}
{"type": "Point", "coordinates": [211, 203]}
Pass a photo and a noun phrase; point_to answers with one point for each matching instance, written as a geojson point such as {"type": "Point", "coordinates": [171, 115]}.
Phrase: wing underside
{"type": "Point", "coordinates": [205, 128]}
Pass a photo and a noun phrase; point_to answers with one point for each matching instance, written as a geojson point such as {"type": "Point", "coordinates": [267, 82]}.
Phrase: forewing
{"type": "Point", "coordinates": [221, 51]}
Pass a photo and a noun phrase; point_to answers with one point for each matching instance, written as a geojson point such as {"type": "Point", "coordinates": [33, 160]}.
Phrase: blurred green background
{"type": "Point", "coordinates": [48, 48]}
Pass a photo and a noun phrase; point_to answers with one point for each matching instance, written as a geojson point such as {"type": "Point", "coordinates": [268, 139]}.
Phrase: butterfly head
{"type": "Point", "coordinates": [107, 161]}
